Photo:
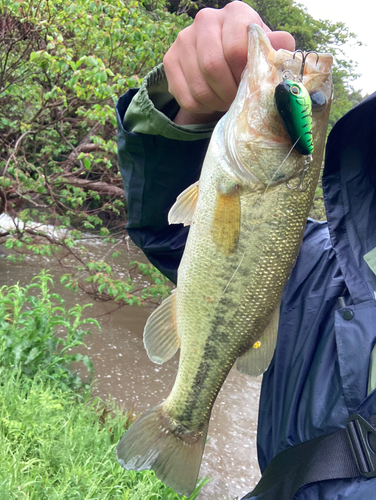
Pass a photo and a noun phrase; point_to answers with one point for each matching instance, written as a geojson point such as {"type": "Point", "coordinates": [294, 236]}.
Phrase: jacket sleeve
{"type": "Point", "coordinates": [155, 170]}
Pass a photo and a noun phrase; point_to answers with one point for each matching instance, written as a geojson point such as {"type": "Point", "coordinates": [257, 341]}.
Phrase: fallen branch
{"type": "Point", "coordinates": [99, 187]}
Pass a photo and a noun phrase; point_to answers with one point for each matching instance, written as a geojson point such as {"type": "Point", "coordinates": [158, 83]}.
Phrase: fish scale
{"type": "Point", "coordinates": [247, 220]}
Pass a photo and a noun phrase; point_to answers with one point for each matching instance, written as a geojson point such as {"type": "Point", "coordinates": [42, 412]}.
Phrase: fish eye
{"type": "Point", "coordinates": [295, 89]}
{"type": "Point", "coordinates": [318, 100]}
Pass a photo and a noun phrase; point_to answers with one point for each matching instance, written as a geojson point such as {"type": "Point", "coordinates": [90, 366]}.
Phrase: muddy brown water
{"type": "Point", "coordinates": [123, 371]}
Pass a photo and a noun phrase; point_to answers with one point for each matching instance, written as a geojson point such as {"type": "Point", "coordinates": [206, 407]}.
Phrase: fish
{"type": "Point", "coordinates": [247, 215]}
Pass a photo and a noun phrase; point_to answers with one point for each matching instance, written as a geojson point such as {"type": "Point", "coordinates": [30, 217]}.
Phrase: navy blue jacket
{"type": "Point", "coordinates": [319, 372]}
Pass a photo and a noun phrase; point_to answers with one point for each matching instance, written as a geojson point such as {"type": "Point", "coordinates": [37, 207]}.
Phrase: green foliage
{"type": "Point", "coordinates": [63, 66]}
{"type": "Point", "coordinates": [191, 7]}
{"type": "Point", "coordinates": [56, 444]}
{"type": "Point", "coordinates": [345, 98]}
{"type": "Point", "coordinates": [93, 275]}
{"type": "Point", "coordinates": [37, 333]}
{"type": "Point", "coordinates": [96, 279]}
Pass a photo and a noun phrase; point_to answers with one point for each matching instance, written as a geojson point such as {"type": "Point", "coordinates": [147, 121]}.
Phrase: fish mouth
{"type": "Point", "coordinates": [253, 131]}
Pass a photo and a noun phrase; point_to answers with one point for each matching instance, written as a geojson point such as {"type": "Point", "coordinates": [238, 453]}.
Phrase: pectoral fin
{"type": "Point", "coordinates": [161, 338]}
{"type": "Point", "coordinates": [226, 221]}
{"type": "Point", "coordinates": [183, 209]}
{"type": "Point", "coordinates": [257, 359]}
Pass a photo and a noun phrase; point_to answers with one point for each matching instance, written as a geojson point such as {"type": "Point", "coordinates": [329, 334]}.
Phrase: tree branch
{"type": "Point", "coordinates": [99, 187]}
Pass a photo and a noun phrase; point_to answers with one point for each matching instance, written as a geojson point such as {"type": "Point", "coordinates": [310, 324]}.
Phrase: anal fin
{"type": "Point", "coordinates": [257, 359]}
{"type": "Point", "coordinates": [161, 338]}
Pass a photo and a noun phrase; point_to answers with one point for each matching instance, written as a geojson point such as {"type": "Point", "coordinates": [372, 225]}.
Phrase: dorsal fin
{"type": "Point", "coordinates": [183, 209]}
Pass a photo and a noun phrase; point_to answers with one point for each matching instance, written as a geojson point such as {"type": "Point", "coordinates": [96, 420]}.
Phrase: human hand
{"type": "Point", "coordinates": [205, 63]}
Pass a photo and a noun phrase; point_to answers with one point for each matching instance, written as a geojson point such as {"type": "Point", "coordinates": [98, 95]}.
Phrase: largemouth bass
{"type": "Point", "coordinates": [247, 216]}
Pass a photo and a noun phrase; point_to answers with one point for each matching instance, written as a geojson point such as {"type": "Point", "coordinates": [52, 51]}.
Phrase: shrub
{"type": "Point", "coordinates": [37, 333]}
{"type": "Point", "coordinates": [63, 67]}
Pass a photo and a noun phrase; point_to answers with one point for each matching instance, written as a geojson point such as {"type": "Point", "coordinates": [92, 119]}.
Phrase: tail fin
{"type": "Point", "coordinates": [155, 442]}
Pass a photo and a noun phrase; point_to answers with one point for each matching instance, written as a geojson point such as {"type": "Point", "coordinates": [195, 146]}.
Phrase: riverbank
{"type": "Point", "coordinates": [123, 371]}
{"type": "Point", "coordinates": [59, 445]}
{"type": "Point", "coordinates": [57, 440]}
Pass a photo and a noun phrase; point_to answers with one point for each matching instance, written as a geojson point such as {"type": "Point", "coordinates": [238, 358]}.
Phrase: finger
{"type": "Point", "coordinates": [178, 87]}
{"type": "Point", "coordinates": [202, 92]}
{"type": "Point", "coordinates": [238, 16]}
{"type": "Point", "coordinates": [281, 40]}
{"type": "Point", "coordinates": [183, 75]}
{"type": "Point", "coordinates": [212, 62]}
{"type": "Point", "coordinates": [187, 82]}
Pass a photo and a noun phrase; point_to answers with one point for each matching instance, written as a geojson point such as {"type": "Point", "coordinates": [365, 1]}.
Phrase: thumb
{"type": "Point", "coordinates": [281, 40]}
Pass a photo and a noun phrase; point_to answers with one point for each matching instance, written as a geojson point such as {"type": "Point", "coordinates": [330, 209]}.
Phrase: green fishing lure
{"type": "Point", "coordinates": [294, 106]}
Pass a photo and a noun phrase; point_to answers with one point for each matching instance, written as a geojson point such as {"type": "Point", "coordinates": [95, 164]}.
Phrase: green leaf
{"type": "Point", "coordinates": [102, 76]}
{"type": "Point", "coordinates": [87, 163]}
{"type": "Point", "coordinates": [34, 56]}
{"type": "Point", "coordinates": [32, 355]}
{"type": "Point", "coordinates": [91, 61]}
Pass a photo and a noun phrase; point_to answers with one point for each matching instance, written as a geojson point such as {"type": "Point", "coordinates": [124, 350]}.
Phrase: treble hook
{"type": "Point", "coordinates": [305, 170]}
{"type": "Point", "coordinates": [304, 59]}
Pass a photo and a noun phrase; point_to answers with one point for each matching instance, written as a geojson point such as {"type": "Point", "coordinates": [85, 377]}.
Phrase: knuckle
{"type": "Point", "coordinates": [166, 60]}
{"type": "Point", "coordinates": [189, 104]}
{"type": "Point", "coordinates": [183, 39]}
{"type": "Point", "coordinates": [200, 92]}
{"type": "Point", "coordinates": [212, 66]}
{"type": "Point", "coordinates": [237, 7]}
{"type": "Point", "coordinates": [231, 6]}
{"type": "Point", "coordinates": [182, 35]}
{"type": "Point", "coordinates": [205, 15]}
{"type": "Point", "coordinates": [235, 53]}
{"type": "Point", "coordinates": [180, 42]}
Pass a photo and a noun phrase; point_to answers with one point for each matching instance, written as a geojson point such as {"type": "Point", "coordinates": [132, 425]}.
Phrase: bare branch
{"type": "Point", "coordinates": [16, 146]}
{"type": "Point", "coordinates": [99, 187]}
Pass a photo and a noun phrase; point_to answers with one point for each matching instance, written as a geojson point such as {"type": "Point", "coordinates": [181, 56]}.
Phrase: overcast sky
{"type": "Point", "coordinates": [359, 16]}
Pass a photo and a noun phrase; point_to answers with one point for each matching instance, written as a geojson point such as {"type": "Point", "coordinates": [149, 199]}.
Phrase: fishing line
{"type": "Point", "coordinates": [262, 199]}
{"type": "Point", "coordinates": [279, 168]}
{"type": "Point", "coordinates": [228, 283]}
{"type": "Point", "coordinates": [271, 180]}
{"type": "Point", "coordinates": [264, 193]}
{"type": "Point", "coordinates": [182, 360]}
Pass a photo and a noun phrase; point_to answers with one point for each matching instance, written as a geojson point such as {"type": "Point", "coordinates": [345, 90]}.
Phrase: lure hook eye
{"type": "Point", "coordinates": [304, 59]}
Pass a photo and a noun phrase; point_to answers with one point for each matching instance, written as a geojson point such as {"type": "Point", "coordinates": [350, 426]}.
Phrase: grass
{"type": "Point", "coordinates": [57, 442]}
